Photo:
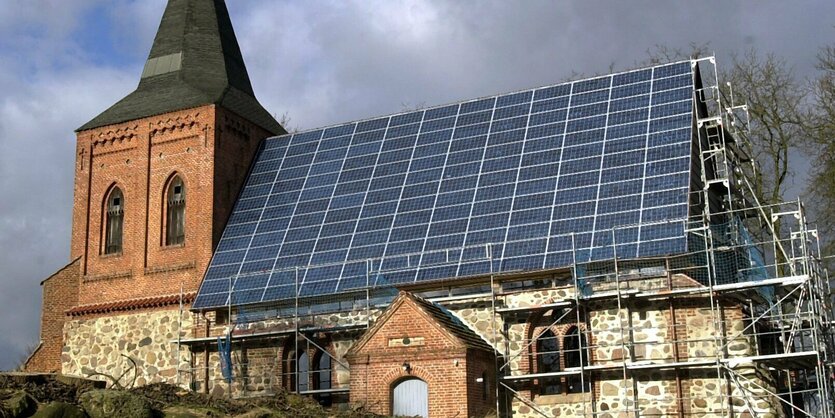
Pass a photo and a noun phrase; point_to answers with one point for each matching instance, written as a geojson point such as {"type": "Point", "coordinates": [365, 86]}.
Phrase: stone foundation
{"type": "Point", "coordinates": [97, 345]}
{"type": "Point", "coordinates": [643, 333]}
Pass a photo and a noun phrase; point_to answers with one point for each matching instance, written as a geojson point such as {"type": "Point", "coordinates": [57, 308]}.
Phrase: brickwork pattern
{"type": "Point", "coordinates": [208, 147]}
{"type": "Point", "coordinates": [60, 293]}
{"type": "Point", "coordinates": [449, 368]}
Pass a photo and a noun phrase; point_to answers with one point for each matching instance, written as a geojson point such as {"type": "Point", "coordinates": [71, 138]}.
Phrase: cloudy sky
{"type": "Point", "coordinates": [62, 62]}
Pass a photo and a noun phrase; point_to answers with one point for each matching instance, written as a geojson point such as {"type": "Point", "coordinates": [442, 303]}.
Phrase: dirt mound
{"type": "Point", "coordinates": [45, 388]}
{"type": "Point", "coordinates": [162, 395]}
{"type": "Point", "coordinates": [52, 389]}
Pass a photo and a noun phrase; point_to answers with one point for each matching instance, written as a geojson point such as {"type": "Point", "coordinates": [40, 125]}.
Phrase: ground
{"type": "Point", "coordinates": [39, 395]}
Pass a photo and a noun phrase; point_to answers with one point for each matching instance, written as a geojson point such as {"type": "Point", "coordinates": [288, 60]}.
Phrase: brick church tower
{"type": "Point", "coordinates": [156, 176]}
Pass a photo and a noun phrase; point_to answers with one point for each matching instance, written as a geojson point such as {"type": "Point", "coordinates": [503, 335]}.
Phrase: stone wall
{"type": "Point", "coordinates": [96, 345]}
{"type": "Point", "coordinates": [652, 334]}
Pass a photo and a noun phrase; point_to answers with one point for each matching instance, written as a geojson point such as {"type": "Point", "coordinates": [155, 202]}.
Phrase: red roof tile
{"type": "Point", "coordinates": [132, 304]}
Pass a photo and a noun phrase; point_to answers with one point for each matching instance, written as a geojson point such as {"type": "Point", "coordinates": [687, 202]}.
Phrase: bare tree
{"type": "Point", "coordinates": [777, 130]}
{"type": "Point", "coordinates": [285, 121]}
{"type": "Point", "coordinates": [821, 186]}
{"type": "Point", "coordinates": [662, 54]}
{"type": "Point", "coordinates": [775, 101]}
{"type": "Point", "coordinates": [409, 106]}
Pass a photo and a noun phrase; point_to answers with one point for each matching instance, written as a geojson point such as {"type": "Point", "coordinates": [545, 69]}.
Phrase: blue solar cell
{"type": "Point", "coordinates": [672, 82]}
{"type": "Point", "coordinates": [407, 118]}
{"type": "Point", "coordinates": [591, 84]}
{"type": "Point", "coordinates": [514, 98]}
{"type": "Point", "coordinates": [441, 112]}
{"type": "Point", "coordinates": [512, 111]}
{"type": "Point", "coordinates": [371, 125]}
{"type": "Point", "coordinates": [631, 77]}
{"type": "Point", "coordinates": [554, 91]}
{"type": "Point", "coordinates": [475, 106]}
{"type": "Point", "coordinates": [672, 96]}
{"type": "Point", "coordinates": [339, 131]}
{"type": "Point", "coordinates": [473, 269]}
{"type": "Point", "coordinates": [542, 176]}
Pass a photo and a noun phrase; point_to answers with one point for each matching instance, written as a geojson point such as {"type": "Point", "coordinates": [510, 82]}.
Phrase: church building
{"type": "Point", "coordinates": [589, 248]}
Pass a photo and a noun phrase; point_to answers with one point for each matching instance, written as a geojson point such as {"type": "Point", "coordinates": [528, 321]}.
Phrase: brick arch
{"type": "Point", "coordinates": [163, 209]}
{"type": "Point", "coordinates": [535, 327]}
{"type": "Point", "coordinates": [103, 221]}
{"type": "Point", "coordinates": [396, 374]}
{"type": "Point", "coordinates": [109, 190]}
{"type": "Point", "coordinates": [290, 351]}
{"type": "Point", "coordinates": [169, 178]}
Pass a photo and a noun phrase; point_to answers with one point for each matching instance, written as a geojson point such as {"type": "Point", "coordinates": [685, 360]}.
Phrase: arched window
{"type": "Point", "coordinates": [175, 211]}
{"type": "Point", "coordinates": [306, 369]}
{"type": "Point", "coordinates": [548, 361]}
{"type": "Point", "coordinates": [322, 377]}
{"type": "Point", "coordinates": [576, 355]}
{"type": "Point", "coordinates": [303, 372]}
{"type": "Point", "coordinates": [114, 216]}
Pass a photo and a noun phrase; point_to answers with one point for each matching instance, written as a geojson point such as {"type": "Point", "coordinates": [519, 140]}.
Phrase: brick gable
{"type": "Point", "coordinates": [417, 333]}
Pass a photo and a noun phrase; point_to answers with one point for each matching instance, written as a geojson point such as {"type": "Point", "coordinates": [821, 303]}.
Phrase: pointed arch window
{"type": "Point", "coordinates": [175, 212]}
{"type": "Point", "coordinates": [548, 361]}
{"type": "Point", "coordinates": [576, 355]}
{"type": "Point", "coordinates": [114, 218]}
{"type": "Point", "coordinates": [303, 372]}
{"type": "Point", "coordinates": [322, 377]}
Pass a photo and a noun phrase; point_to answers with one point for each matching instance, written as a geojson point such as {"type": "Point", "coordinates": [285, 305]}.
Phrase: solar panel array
{"type": "Point", "coordinates": [541, 177]}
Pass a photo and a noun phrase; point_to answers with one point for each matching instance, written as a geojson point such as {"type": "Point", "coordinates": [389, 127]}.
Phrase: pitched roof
{"type": "Point", "coordinates": [442, 317]}
{"type": "Point", "coordinates": [195, 61]}
{"type": "Point", "coordinates": [451, 323]}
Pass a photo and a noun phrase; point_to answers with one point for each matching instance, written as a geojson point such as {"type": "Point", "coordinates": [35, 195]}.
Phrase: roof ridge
{"type": "Point", "coordinates": [458, 323]}
{"type": "Point", "coordinates": [489, 96]}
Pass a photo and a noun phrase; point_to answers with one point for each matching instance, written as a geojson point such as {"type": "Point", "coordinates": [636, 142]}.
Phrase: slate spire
{"type": "Point", "coordinates": [195, 60]}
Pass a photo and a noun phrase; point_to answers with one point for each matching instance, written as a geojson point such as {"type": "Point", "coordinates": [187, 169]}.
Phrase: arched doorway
{"type": "Point", "coordinates": [410, 398]}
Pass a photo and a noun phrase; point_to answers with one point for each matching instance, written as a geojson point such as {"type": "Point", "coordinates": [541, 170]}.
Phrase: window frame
{"type": "Point", "coordinates": [171, 207]}
{"type": "Point", "coordinates": [113, 221]}
{"type": "Point", "coordinates": [564, 337]}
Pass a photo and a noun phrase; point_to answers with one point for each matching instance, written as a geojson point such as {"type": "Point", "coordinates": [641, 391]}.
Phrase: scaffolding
{"type": "Point", "coordinates": [737, 323]}
{"type": "Point", "coordinates": [752, 276]}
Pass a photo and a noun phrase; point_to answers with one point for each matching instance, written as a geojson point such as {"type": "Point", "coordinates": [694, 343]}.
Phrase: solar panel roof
{"type": "Point", "coordinates": [536, 179]}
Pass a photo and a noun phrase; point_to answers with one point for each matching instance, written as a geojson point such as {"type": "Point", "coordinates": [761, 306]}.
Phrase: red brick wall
{"type": "Point", "coordinates": [209, 147]}
{"type": "Point", "coordinates": [449, 369]}
{"type": "Point", "coordinates": [60, 293]}
{"type": "Point", "coordinates": [480, 363]}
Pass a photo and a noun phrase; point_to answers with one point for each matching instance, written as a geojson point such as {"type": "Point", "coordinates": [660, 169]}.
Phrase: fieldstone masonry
{"type": "Point", "coordinates": [96, 345]}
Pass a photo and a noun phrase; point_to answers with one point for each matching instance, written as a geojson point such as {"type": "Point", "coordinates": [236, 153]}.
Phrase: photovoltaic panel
{"type": "Point", "coordinates": [537, 178]}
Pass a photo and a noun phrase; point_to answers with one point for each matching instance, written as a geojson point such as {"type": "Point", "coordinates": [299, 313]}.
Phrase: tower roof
{"type": "Point", "coordinates": [195, 61]}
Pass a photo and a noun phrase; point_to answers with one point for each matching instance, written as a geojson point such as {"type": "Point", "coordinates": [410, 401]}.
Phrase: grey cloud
{"type": "Point", "coordinates": [323, 63]}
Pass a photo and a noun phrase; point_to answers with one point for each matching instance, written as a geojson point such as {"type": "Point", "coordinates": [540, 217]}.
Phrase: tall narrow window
{"type": "Point", "coordinates": [303, 371]}
{"type": "Point", "coordinates": [113, 222]}
{"type": "Point", "coordinates": [548, 361]}
{"type": "Point", "coordinates": [576, 355]}
{"type": "Point", "coordinates": [175, 227]}
{"type": "Point", "coordinates": [322, 378]}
